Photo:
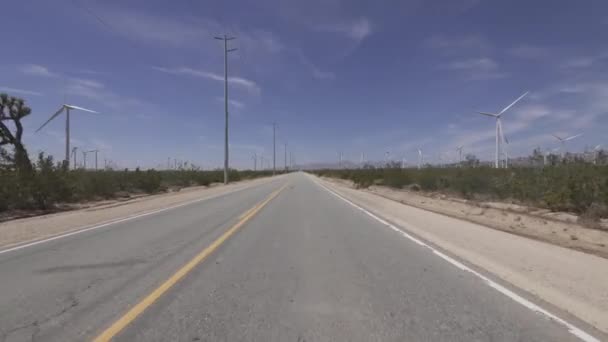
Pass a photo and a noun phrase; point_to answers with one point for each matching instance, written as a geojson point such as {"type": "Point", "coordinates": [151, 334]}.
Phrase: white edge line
{"type": "Point", "coordinates": [108, 223]}
{"type": "Point", "coordinates": [581, 334]}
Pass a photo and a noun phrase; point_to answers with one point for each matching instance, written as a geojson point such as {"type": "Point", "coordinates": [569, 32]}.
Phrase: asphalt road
{"type": "Point", "coordinates": [306, 267]}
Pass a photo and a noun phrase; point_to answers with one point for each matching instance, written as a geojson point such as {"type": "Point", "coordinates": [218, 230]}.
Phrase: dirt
{"type": "Point", "coordinates": [569, 279]}
{"type": "Point", "coordinates": [83, 215]}
{"type": "Point", "coordinates": [561, 229]}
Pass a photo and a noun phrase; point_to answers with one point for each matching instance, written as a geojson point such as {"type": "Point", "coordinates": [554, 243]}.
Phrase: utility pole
{"type": "Point", "coordinates": [285, 161]}
{"type": "Point", "coordinates": [274, 147]}
{"type": "Point", "coordinates": [226, 50]}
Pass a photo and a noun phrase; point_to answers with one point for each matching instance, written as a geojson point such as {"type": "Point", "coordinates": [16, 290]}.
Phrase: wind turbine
{"type": "Point", "coordinates": [94, 151]}
{"type": "Point", "coordinates": [459, 149]}
{"type": "Point", "coordinates": [563, 141]}
{"type": "Point", "coordinates": [84, 159]}
{"type": "Point", "coordinates": [506, 150]}
{"type": "Point", "coordinates": [497, 116]}
{"type": "Point", "coordinates": [596, 151]}
{"type": "Point", "coordinates": [66, 108]}
{"type": "Point", "coordinates": [420, 158]}
{"type": "Point", "coordinates": [74, 149]}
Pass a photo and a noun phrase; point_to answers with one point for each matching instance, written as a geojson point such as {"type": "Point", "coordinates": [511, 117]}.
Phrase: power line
{"type": "Point", "coordinates": [93, 14]}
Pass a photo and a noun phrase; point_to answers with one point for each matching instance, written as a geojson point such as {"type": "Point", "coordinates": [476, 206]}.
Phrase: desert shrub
{"type": "Point", "coordinates": [574, 187]}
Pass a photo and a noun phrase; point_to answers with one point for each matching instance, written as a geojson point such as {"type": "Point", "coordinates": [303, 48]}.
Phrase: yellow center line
{"type": "Point", "coordinates": [140, 307]}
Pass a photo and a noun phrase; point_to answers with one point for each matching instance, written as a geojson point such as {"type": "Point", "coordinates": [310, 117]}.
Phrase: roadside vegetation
{"type": "Point", "coordinates": [580, 188]}
{"type": "Point", "coordinates": [45, 184]}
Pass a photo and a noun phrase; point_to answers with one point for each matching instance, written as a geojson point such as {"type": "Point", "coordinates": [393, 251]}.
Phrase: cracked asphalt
{"type": "Point", "coordinates": [307, 267]}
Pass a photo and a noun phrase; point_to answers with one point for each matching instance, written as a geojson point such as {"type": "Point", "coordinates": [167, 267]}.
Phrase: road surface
{"type": "Point", "coordinates": [300, 266]}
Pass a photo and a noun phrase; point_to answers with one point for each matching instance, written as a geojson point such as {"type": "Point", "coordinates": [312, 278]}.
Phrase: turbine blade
{"type": "Point", "coordinates": [488, 114]}
{"type": "Point", "coordinates": [80, 108]}
{"type": "Point", "coordinates": [557, 137]}
{"type": "Point", "coordinates": [514, 102]}
{"type": "Point", "coordinates": [572, 137]}
{"type": "Point", "coordinates": [51, 118]}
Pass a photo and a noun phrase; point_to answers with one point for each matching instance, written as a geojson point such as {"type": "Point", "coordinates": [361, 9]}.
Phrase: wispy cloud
{"type": "Point", "coordinates": [357, 29]}
{"type": "Point", "coordinates": [238, 81]}
{"type": "Point", "coordinates": [483, 68]}
{"type": "Point", "coordinates": [11, 91]}
{"type": "Point", "coordinates": [323, 75]}
{"type": "Point", "coordinates": [585, 61]}
{"type": "Point", "coordinates": [101, 145]}
{"type": "Point", "coordinates": [484, 64]}
{"type": "Point", "coordinates": [316, 72]}
{"type": "Point", "coordinates": [186, 32]}
{"type": "Point", "coordinates": [529, 52]}
{"type": "Point", "coordinates": [143, 27]}
{"type": "Point", "coordinates": [234, 103]}
{"type": "Point", "coordinates": [37, 70]}
{"type": "Point", "coordinates": [457, 43]}
{"type": "Point", "coordinates": [98, 92]}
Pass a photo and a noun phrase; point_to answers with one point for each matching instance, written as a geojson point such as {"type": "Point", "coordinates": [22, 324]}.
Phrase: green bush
{"type": "Point", "coordinates": [50, 184]}
{"type": "Point", "coordinates": [575, 187]}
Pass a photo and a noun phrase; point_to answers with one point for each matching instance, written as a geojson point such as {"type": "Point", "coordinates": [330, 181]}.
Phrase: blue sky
{"type": "Point", "coordinates": [351, 76]}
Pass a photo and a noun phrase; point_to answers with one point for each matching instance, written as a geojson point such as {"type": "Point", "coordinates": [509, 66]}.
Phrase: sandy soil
{"type": "Point", "coordinates": [33, 228]}
{"type": "Point", "coordinates": [557, 228]}
{"type": "Point", "coordinates": [569, 279]}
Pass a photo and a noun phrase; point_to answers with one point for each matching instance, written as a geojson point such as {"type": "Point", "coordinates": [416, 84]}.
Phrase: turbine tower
{"type": "Point", "coordinates": [66, 108]}
{"type": "Point", "coordinates": [74, 149]}
{"type": "Point", "coordinates": [499, 137]}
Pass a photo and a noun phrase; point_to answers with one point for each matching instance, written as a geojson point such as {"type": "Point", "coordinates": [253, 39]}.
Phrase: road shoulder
{"type": "Point", "coordinates": [566, 278]}
{"type": "Point", "coordinates": [22, 231]}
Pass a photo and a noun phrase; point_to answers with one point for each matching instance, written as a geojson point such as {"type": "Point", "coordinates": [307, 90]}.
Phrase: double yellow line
{"type": "Point", "coordinates": [140, 307]}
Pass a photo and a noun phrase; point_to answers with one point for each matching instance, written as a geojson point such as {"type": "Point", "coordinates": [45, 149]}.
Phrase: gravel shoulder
{"type": "Point", "coordinates": [571, 280]}
{"type": "Point", "coordinates": [23, 230]}
{"type": "Point", "coordinates": [559, 229]}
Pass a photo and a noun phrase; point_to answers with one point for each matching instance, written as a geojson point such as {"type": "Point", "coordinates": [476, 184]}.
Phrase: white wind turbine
{"type": "Point", "coordinates": [596, 152]}
{"type": "Point", "coordinates": [459, 149]}
{"type": "Point", "coordinates": [420, 158]}
{"type": "Point", "coordinates": [563, 140]}
{"type": "Point", "coordinates": [498, 116]}
{"type": "Point", "coordinates": [66, 108]}
{"type": "Point", "coordinates": [74, 149]}
{"type": "Point", "coordinates": [505, 153]}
